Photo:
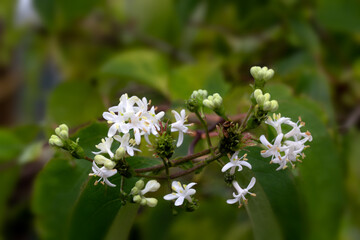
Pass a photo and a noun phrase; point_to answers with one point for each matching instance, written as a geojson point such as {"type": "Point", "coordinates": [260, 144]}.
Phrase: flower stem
{"type": "Point", "coordinates": [206, 132]}
{"type": "Point", "coordinates": [243, 123]}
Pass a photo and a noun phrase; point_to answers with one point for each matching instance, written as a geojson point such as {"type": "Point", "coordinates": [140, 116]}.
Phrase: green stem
{"type": "Point", "coordinates": [166, 164]}
{"type": "Point", "coordinates": [243, 124]}
{"type": "Point", "coordinates": [206, 132]}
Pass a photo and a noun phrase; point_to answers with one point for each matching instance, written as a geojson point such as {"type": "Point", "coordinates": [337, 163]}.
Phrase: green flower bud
{"type": "Point", "coordinates": [109, 164]}
{"type": "Point", "coordinates": [274, 105]}
{"type": "Point", "coordinates": [143, 202]}
{"type": "Point", "coordinates": [134, 191]}
{"type": "Point", "coordinates": [267, 97]}
{"type": "Point", "coordinates": [64, 127]}
{"type": "Point", "coordinates": [151, 202]}
{"type": "Point", "coordinates": [64, 134]}
{"type": "Point", "coordinates": [140, 184]}
{"type": "Point", "coordinates": [57, 131]}
{"type": "Point", "coordinates": [208, 103]}
{"type": "Point", "coordinates": [120, 153]}
{"type": "Point", "coordinates": [137, 198]}
{"type": "Point", "coordinates": [268, 75]}
{"type": "Point", "coordinates": [254, 71]}
{"type": "Point", "coordinates": [257, 93]}
{"type": "Point", "coordinates": [100, 159]}
{"type": "Point", "coordinates": [199, 94]}
{"type": "Point", "coordinates": [260, 100]}
{"type": "Point", "coordinates": [267, 106]}
{"type": "Point", "coordinates": [55, 141]}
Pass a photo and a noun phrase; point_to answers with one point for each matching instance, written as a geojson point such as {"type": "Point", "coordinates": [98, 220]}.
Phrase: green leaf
{"type": "Point", "coordinates": [276, 190]}
{"type": "Point", "coordinates": [91, 136]}
{"type": "Point", "coordinates": [10, 145]}
{"type": "Point", "coordinates": [321, 173]}
{"type": "Point", "coordinates": [74, 103]}
{"type": "Point", "coordinates": [55, 190]}
{"type": "Point", "coordinates": [187, 78]}
{"type": "Point", "coordinates": [144, 66]}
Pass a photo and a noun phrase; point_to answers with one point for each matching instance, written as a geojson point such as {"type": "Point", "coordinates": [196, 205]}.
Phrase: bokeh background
{"type": "Point", "coordinates": [65, 61]}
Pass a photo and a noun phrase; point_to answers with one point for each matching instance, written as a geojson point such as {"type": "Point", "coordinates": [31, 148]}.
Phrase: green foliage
{"type": "Point", "coordinates": [74, 103]}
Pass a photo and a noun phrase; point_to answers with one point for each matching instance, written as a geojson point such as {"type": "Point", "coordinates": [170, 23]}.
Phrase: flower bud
{"type": "Point", "coordinates": [64, 134]}
{"type": "Point", "coordinates": [137, 198]}
{"type": "Point", "coordinates": [208, 103]}
{"type": "Point", "coordinates": [199, 94]}
{"type": "Point", "coordinates": [266, 97]}
{"type": "Point", "coordinates": [143, 201]}
{"type": "Point", "coordinates": [55, 141]}
{"type": "Point", "coordinates": [217, 101]}
{"type": "Point", "coordinates": [274, 105]}
{"type": "Point", "coordinates": [151, 202]}
{"type": "Point", "coordinates": [109, 164]}
{"type": "Point", "coordinates": [268, 75]}
{"type": "Point", "coordinates": [254, 71]}
{"type": "Point", "coordinates": [64, 127]}
{"type": "Point", "coordinates": [100, 159]}
{"type": "Point", "coordinates": [267, 106]}
{"type": "Point", "coordinates": [260, 100]}
{"type": "Point", "coordinates": [140, 184]}
{"type": "Point", "coordinates": [120, 153]}
{"type": "Point", "coordinates": [257, 93]}
{"type": "Point", "coordinates": [134, 191]}
{"type": "Point", "coordinates": [151, 186]}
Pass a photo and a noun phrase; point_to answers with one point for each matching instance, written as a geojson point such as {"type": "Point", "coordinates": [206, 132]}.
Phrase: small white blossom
{"type": "Point", "coordinates": [274, 150]}
{"type": "Point", "coordinates": [126, 143]}
{"type": "Point", "coordinates": [179, 125]}
{"type": "Point", "coordinates": [180, 193]}
{"type": "Point", "coordinates": [105, 146]}
{"type": "Point", "coordinates": [235, 161]}
{"type": "Point", "coordinates": [103, 173]}
{"type": "Point", "coordinates": [276, 121]}
{"type": "Point", "coordinates": [241, 193]}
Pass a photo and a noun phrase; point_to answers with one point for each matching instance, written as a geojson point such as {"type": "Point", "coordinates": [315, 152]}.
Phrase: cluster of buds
{"type": "Point", "coordinates": [213, 102]}
{"type": "Point", "coordinates": [263, 101]}
{"type": "Point", "coordinates": [62, 134]}
{"type": "Point", "coordinates": [261, 75]}
{"type": "Point", "coordinates": [138, 192]}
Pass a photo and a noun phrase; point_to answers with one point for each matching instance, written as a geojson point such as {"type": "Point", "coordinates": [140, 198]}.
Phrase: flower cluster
{"type": "Point", "coordinates": [288, 147]}
{"type": "Point", "coordinates": [133, 118]}
{"type": "Point", "coordinates": [238, 162]}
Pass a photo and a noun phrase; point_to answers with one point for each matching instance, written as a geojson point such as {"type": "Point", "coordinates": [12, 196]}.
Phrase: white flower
{"type": "Point", "coordinates": [235, 161]}
{"type": "Point", "coordinates": [132, 114]}
{"type": "Point", "coordinates": [105, 147]}
{"type": "Point", "coordinates": [296, 132]}
{"type": "Point", "coordinates": [180, 193]}
{"type": "Point", "coordinates": [26, 14]}
{"type": "Point", "coordinates": [179, 125]}
{"type": "Point", "coordinates": [103, 173]}
{"type": "Point", "coordinates": [125, 143]}
{"type": "Point", "coordinates": [274, 150]}
{"type": "Point", "coordinates": [276, 122]}
{"type": "Point", "coordinates": [241, 193]}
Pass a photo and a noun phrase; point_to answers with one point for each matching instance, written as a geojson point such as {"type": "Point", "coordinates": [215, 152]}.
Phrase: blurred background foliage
{"type": "Point", "coordinates": [65, 61]}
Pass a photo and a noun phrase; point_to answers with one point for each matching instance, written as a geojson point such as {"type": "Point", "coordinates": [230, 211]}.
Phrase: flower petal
{"type": "Point", "coordinates": [179, 201]}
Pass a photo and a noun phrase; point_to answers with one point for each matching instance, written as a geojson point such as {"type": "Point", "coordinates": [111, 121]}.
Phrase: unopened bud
{"type": "Point", "coordinates": [134, 191]}
{"type": "Point", "coordinates": [257, 93]}
{"type": "Point", "coordinates": [260, 100]}
{"type": "Point", "coordinates": [151, 202]}
{"type": "Point", "coordinates": [266, 97]}
{"type": "Point", "coordinates": [143, 201]}
{"type": "Point", "coordinates": [274, 105]}
{"type": "Point", "coordinates": [137, 198]}
{"type": "Point", "coordinates": [64, 134]}
{"type": "Point", "coordinates": [64, 127]}
{"type": "Point", "coordinates": [268, 75]}
{"type": "Point", "coordinates": [151, 186]}
{"type": "Point", "coordinates": [140, 184]}
{"type": "Point", "coordinates": [208, 103]}
{"type": "Point", "coordinates": [55, 141]}
{"type": "Point", "coordinates": [254, 71]}
{"type": "Point", "coordinates": [267, 106]}
{"type": "Point", "coordinates": [109, 164]}
{"type": "Point", "coordinates": [100, 159]}
{"type": "Point", "coordinates": [120, 153]}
